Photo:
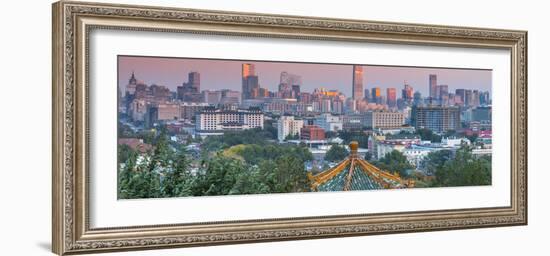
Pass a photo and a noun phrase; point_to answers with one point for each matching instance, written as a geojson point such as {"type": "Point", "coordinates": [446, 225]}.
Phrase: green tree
{"type": "Point", "coordinates": [355, 135]}
{"type": "Point", "coordinates": [394, 161]}
{"type": "Point", "coordinates": [218, 176]}
{"type": "Point", "coordinates": [427, 134]}
{"type": "Point", "coordinates": [250, 182]}
{"type": "Point", "coordinates": [464, 170]}
{"type": "Point", "coordinates": [126, 171]}
{"type": "Point", "coordinates": [336, 153]}
{"type": "Point", "coordinates": [178, 180]}
{"type": "Point", "coordinates": [435, 160]}
{"type": "Point", "coordinates": [291, 171]}
{"type": "Point", "coordinates": [124, 153]}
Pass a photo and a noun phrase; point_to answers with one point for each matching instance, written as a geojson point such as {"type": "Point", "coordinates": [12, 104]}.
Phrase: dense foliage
{"type": "Point", "coordinates": [336, 153]}
{"type": "Point", "coordinates": [394, 161]}
{"type": "Point", "coordinates": [242, 164]}
{"type": "Point", "coordinates": [354, 135]}
{"type": "Point", "coordinates": [461, 170]}
{"type": "Point", "coordinates": [427, 134]}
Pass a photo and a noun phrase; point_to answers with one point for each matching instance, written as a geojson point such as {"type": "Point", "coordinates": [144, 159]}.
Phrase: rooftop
{"type": "Point", "coordinates": [354, 173]}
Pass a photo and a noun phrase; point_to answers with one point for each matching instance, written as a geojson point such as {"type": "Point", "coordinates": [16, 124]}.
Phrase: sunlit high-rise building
{"type": "Point", "coordinates": [376, 95]}
{"type": "Point", "coordinates": [250, 86]}
{"type": "Point", "coordinates": [357, 92]}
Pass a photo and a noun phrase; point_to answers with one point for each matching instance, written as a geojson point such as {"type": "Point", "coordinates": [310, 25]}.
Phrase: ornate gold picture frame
{"type": "Point", "coordinates": [72, 24]}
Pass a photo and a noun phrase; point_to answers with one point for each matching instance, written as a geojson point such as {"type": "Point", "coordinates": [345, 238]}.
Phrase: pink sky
{"type": "Point", "coordinates": [226, 74]}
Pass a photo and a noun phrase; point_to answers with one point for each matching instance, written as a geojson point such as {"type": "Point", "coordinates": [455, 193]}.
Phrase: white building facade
{"type": "Point", "coordinates": [212, 120]}
{"type": "Point", "coordinates": [329, 122]}
{"type": "Point", "coordinates": [287, 125]}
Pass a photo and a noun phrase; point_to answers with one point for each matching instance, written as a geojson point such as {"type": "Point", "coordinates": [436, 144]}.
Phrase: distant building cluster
{"type": "Point", "coordinates": [314, 116]}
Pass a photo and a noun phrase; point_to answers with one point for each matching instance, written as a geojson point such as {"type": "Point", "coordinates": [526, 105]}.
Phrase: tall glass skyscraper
{"type": "Point", "coordinates": [357, 90]}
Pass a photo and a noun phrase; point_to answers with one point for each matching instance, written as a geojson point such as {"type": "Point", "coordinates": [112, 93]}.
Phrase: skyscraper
{"type": "Point", "coordinates": [475, 98]}
{"type": "Point", "coordinates": [468, 101]}
{"type": "Point", "coordinates": [248, 71]}
{"type": "Point", "coordinates": [190, 91]}
{"type": "Point", "coordinates": [357, 88]}
{"type": "Point", "coordinates": [391, 95]}
{"type": "Point", "coordinates": [461, 94]}
{"type": "Point", "coordinates": [443, 94]}
{"type": "Point", "coordinates": [290, 79]}
{"type": "Point", "coordinates": [407, 92]}
{"type": "Point", "coordinates": [376, 95]}
{"type": "Point", "coordinates": [289, 85]}
{"type": "Point", "coordinates": [484, 98]}
{"type": "Point", "coordinates": [433, 86]}
{"type": "Point", "coordinates": [367, 95]}
{"type": "Point", "coordinates": [417, 98]}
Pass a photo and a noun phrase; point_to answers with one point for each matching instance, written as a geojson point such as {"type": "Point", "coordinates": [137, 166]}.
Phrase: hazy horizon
{"type": "Point", "coordinates": [226, 74]}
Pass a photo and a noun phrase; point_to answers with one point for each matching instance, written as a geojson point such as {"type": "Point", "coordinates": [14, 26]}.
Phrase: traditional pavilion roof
{"type": "Point", "coordinates": [355, 173]}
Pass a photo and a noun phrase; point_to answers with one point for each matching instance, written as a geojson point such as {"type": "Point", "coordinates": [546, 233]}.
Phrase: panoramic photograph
{"type": "Point", "coordinates": [214, 127]}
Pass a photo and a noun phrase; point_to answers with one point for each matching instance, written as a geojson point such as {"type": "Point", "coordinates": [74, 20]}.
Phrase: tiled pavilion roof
{"type": "Point", "coordinates": [354, 173]}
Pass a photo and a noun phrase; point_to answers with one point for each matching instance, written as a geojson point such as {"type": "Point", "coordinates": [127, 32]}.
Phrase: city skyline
{"type": "Point", "coordinates": [227, 74]}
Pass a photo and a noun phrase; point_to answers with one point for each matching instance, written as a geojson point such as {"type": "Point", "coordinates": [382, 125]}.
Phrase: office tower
{"type": "Point", "coordinates": [376, 95]}
{"type": "Point", "coordinates": [367, 96]}
{"type": "Point", "coordinates": [475, 98]}
{"type": "Point", "coordinates": [417, 98]}
{"type": "Point", "coordinates": [438, 119]}
{"type": "Point", "coordinates": [468, 100]}
{"type": "Point", "coordinates": [190, 91]}
{"type": "Point", "coordinates": [305, 97]}
{"type": "Point", "coordinates": [159, 93]}
{"type": "Point", "coordinates": [433, 86]}
{"type": "Point", "coordinates": [484, 98]}
{"type": "Point", "coordinates": [250, 81]}
{"type": "Point", "coordinates": [295, 91]}
{"type": "Point", "coordinates": [337, 106]}
{"type": "Point", "coordinates": [253, 87]}
{"type": "Point", "coordinates": [391, 95]}
{"type": "Point", "coordinates": [407, 93]}
{"type": "Point", "coordinates": [289, 85]}
{"type": "Point", "coordinates": [443, 94]}
{"type": "Point", "coordinates": [248, 70]}
{"type": "Point", "coordinates": [461, 94]}
{"type": "Point", "coordinates": [290, 79]}
{"type": "Point", "coordinates": [357, 87]}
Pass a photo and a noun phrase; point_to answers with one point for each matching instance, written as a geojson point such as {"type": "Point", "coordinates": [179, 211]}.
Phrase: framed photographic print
{"type": "Point", "coordinates": [179, 127]}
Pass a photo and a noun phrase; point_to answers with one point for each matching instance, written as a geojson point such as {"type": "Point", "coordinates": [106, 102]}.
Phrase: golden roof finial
{"type": "Point", "coordinates": [353, 146]}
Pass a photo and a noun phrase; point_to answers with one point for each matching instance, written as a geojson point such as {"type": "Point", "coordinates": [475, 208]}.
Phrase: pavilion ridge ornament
{"type": "Point", "coordinates": [355, 173]}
